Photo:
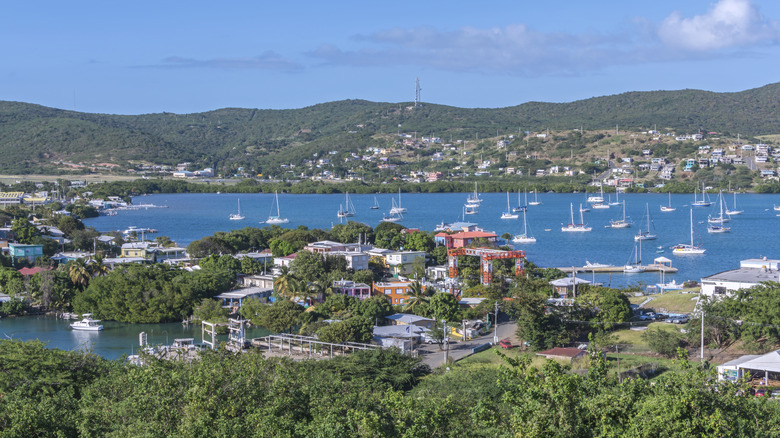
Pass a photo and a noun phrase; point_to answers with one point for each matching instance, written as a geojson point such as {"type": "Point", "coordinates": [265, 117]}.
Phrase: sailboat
{"type": "Point", "coordinates": [508, 214]}
{"type": "Point", "coordinates": [395, 214]}
{"type": "Point", "coordinates": [572, 227]}
{"type": "Point", "coordinates": [397, 209]}
{"type": "Point", "coordinates": [596, 199]}
{"type": "Point", "coordinates": [276, 219]}
{"type": "Point", "coordinates": [669, 208]}
{"type": "Point", "coordinates": [684, 248]}
{"type": "Point", "coordinates": [601, 205]}
{"type": "Point", "coordinates": [536, 199]}
{"type": "Point", "coordinates": [348, 209]}
{"type": "Point", "coordinates": [474, 198]}
{"type": "Point", "coordinates": [636, 267]}
{"type": "Point", "coordinates": [237, 216]}
{"type": "Point", "coordinates": [376, 205]}
{"type": "Point", "coordinates": [703, 202]}
{"type": "Point", "coordinates": [622, 222]}
{"type": "Point", "coordinates": [734, 212]}
{"type": "Point", "coordinates": [524, 237]}
{"type": "Point", "coordinates": [617, 198]}
{"type": "Point", "coordinates": [645, 235]}
{"type": "Point", "coordinates": [716, 224]}
{"type": "Point", "coordinates": [719, 218]}
{"type": "Point", "coordinates": [521, 207]}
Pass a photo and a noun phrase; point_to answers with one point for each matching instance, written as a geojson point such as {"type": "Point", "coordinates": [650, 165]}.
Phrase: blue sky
{"type": "Point", "coordinates": [184, 57]}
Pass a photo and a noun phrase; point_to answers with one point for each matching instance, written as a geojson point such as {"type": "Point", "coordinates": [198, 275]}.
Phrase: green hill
{"type": "Point", "coordinates": [34, 138]}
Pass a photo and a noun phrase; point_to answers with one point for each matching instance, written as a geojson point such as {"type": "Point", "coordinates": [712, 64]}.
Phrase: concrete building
{"type": "Point", "coordinates": [751, 272]}
{"type": "Point", "coordinates": [397, 291]}
{"type": "Point", "coordinates": [30, 253]}
{"type": "Point", "coordinates": [402, 262]}
{"type": "Point", "coordinates": [352, 289]}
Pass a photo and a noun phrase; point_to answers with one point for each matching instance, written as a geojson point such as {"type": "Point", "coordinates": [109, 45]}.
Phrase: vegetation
{"type": "Point", "coordinates": [374, 393]}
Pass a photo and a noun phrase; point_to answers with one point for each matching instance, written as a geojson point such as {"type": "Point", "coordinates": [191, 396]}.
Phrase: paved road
{"type": "Point", "coordinates": [433, 357]}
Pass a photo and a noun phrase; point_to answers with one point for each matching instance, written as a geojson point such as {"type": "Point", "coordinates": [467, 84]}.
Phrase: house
{"type": "Point", "coordinates": [135, 249]}
{"type": "Point", "coordinates": [568, 354]}
{"type": "Point", "coordinates": [409, 319]}
{"type": "Point", "coordinates": [402, 262]}
{"type": "Point", "coordinates": [567, 287]}
{"type": "Point", "coordinates": [262, 281]}
{"type": "Point", "coordinates": [403, 337]}
{"type": "Point", "coordinates": [760, 370]}
{"type": "Point", "coordinates": [751, 272]}
{"type": "Point", "coordinates": [18, 251]}
{"type": "Point", "coordinates": [235, 298]}
{"type": "Point", "coordinates": [463, 239]}
{"type": "Point", "coordinates": [352, 289]}
{"type": "Point", "coordinates": [397, 291]}
{"type": "Point", "coordinates": [160, 255]}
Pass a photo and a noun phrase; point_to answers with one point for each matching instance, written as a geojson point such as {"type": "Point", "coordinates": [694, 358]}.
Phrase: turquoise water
{"type": "Point", "coordinates": [114, 341]}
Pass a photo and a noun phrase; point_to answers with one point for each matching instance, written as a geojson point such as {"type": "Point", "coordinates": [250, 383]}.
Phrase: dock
{"type": "Point", "coordinates": [617, 269]}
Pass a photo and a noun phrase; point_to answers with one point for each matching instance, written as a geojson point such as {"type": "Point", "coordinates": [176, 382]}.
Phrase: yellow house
{"type": "Point", "coordinates": [135, 249]}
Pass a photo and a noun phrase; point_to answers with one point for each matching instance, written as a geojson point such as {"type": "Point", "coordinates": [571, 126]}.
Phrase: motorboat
{"type": "Point", "coordinates": [87, 323]}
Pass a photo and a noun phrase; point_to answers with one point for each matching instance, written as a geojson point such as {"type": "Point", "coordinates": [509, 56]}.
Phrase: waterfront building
{"type": "Point", "coordinates": [751, 273]}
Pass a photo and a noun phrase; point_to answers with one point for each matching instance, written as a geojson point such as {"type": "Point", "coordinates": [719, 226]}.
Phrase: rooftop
{"type": "Point", "coordinates": [407, 318]}
{"type": "Point", "coordinates": [745, 275]}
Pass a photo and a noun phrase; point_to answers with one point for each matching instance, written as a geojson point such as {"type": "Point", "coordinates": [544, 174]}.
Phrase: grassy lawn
{"type": "Point", "coordinates": [673, 302]}
{"type": "Point", "coordinates": [634, 337]}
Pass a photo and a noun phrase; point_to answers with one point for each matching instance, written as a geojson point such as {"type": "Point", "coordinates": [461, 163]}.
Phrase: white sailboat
{"type": "Point", "coordinates": [636, 267]}
{"type": "Point", "coordinates": [521, 207]}
{"type": "Point", "coordinates": [277, 218]}
{"type": "Point", "coordinates": [703, 202]}
{"type": "Point", "coordinates": [572, 227]}
{"type": "Point", "coordinates": [394, 215]}
{"type": "Point", "coordinates": [645, 235]}
{"type": "Point", "coordinates": [716, 224]}
{"type": "Point", "coordinates": [397, 209]}
{"type": "Point", "coordinates": [376, 204]}
{"type": "Point", "coordinates": [237, 216]}
{"type": "Point", "coordinates": [508, 214]}
{"type": "Point", "coordinates": [684, 248]}
{"type": "Point", "coordinates": [525, 237]}
{"type": "Point", "coordinates": [536, 199]}
{"type": "Point", "coordinates": [669, 208]}
{"type": "Point", "coordinates": [617, 198]}
{"type": "Point", "coordinates": [596, 199]}
{"type": "Point", "coordinates": [623, 222]}
{"type": "Point", "coordinates": [474, 198]}
{"type": "Point", "coordinates": [347, 209]}
{"type": "Point", "coordinates": [601, 205]}
{"type": "Point", "coordinates": [734, 211]}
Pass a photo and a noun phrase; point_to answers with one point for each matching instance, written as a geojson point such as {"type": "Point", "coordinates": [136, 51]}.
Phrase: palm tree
{"type": "Point", "coordinates": [318, 289]}
{"type": "Point", "coordinates": [285, 284]}
{"type": "Point", "coordinates": [79, 273]}
{"type": "Point", "coordinates": [97, 268]}
{"type": "Point", "coordinates": [417, 297]}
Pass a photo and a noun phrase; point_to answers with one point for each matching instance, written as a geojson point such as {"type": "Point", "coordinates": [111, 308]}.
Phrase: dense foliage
{"type": "Point", "coordinates": [367, 394]}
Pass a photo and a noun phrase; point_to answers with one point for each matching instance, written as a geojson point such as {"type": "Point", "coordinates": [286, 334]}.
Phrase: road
{"type": "Point", "coordinates": [434, 357]}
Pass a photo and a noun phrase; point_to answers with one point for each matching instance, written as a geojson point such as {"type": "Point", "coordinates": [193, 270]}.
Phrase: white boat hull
{"type": "Point", "coordinates": [523, 239]}
{"type": "Point", "coordinates": [509, 216]}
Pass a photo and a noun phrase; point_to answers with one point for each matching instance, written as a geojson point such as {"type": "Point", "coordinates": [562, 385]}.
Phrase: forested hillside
{"type": "Point", "coordinates": [34, 138]}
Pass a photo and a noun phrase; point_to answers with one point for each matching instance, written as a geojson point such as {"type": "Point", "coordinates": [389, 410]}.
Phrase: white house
{"type": "Point", "coordinates": [751, 272]}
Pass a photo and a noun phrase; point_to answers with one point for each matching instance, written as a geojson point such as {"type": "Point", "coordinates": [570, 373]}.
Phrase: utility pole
{"type": "Point", "coordinates": [702, 335]}
{"type": "Point", "coordinates": [617, 349]}
{"type": "Point", "coordinates": [446, 344]}
{"type": "Point", "coordinates": [495, 329]}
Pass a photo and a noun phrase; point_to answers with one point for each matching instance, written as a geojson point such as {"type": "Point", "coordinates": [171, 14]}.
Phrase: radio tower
{"type": "Point", "coordinates": [417, 93]}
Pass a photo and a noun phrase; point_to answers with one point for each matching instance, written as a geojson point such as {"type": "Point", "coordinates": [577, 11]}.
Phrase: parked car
{"type": "Point", "coordinates": [650, 316]}
{"type": "Point", "coordinates": [776, 393]}
{"type": "Point", "coordinates": [678, 319]}
{"type": "Point", "coordinates": [760, 392]}
{"type": "Point", "coordinates": [505, 344]}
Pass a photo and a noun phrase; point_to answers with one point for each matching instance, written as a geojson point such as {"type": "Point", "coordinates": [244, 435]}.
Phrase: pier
{"type": "Point", "coordinates": [617, 269]}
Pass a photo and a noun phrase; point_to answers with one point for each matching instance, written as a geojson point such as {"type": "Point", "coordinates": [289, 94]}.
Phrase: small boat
{"type": "Point", "coordinates": [536, 199]}
{"type": "Point", "coordinates": [522, 207]}
{"type": "Point", "coordinates": [636, 267]}
{"type": "Point", "coordinates": [393, 218]}
{"type": "Point", "coordinates": [524, 237]}
{"type": "Point", "coordinates": [376, 205]}
{"type": "Point", "coordinates": [237, 216]}
{"type": "Point", "coordinates": [672, 285]}
{"type": "Point", "coordinates": [716, 223]}
{"type": "Point", "coordinates": [474, 198]}
{"type": "Point", "coordinates": [668, 209]}
{"type": "Point", "coordinates": [777, 207]}
{"type": "Point", "coordinates": [734, 211]}
{"type": "Point", "coordinates": [686, 249]}
{"type": "Point", "coordinates": [470, 209]}
{"type": "Point", "coordinates": [572, 227]}
{"type": "Point", "coordinates": [597, 265]}
{"type": "Point", "coordinates": [584, 209]}
{"type": "Point", "coordinates": [703, 202]}
{"type": "Point", "coordinates": [87, 324]}
{"type": "Point", "coordinates": [600, 206]}
{"type": "Point", "coordinates": [617, 198]}
{"type": "Point", "coordinates": [276, 219]}
{"type": "Point", "coordinates": [346, 210]}
{"type": "Point", "coordinates": [508, 214]}
{"type": "Point", "coordinates": [397, 209]}
{"type": "Point", "coordinates": [646, 235]}
{"type": "Point", "coordinates": [622, 222]}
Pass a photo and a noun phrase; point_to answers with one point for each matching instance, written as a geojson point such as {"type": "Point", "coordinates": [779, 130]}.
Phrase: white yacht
{"type": "Point", "coordinates": [508, 214]}
{"type": "Point", "coordinates": [276, 219]}
{"type": "Point", "coordinates": [237, 216]}
{"type": "Point", "coordinates": [636, 267]}
{"type": "Point", "coordinates": [525, 237]}
{"type": "Point", "coordinates": [684, 248]}
{"type": "Point", "coordinates": [646, 234]}
{"type": "Point", "coordinates": [668, 209]}
{"type": "Point", "coordinates": [622, 222]}
{"type": "Point", "coordinates": [572, 227]}
{"type": "Point", "coordinates": [87, 324]}
{"type": "Point", "coordinates": [397, 208]}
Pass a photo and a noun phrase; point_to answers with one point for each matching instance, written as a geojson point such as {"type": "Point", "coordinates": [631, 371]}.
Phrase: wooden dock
{"type": "Point", "coordinates": [617, 269]}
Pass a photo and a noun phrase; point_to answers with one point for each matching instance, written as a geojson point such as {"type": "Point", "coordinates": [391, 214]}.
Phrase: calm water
{"type": "Point", "coordinates": [117, 339]}
{"type": "Point", "coordinates": [193, 216]}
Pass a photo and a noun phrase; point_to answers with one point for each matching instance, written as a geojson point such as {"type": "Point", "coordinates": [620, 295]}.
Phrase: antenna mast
{"type": "Point", "coordinates": [417, 92]}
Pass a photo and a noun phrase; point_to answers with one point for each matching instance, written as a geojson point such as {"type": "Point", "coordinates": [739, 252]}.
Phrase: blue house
{"type": "Point", "coordinates": [18, 251]}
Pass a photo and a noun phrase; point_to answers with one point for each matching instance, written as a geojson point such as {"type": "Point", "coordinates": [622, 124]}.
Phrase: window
{"type": "Point", "coordinates": [388, 291]}
{"type": "Point", "coordinates": [720, 290]}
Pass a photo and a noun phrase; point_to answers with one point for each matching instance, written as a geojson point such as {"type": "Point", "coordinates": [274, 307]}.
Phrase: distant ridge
{"type": "Point", "coordinates": [35, 138]}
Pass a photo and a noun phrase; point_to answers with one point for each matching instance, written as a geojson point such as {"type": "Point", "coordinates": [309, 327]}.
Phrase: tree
{"type": "Point", "coordinates": [418, 298]}
{"type": "Point", "coordinates": [281, 316]}
{"type": "Point", "coordinates": [444, 306]}
{"type": "Point", "coordinates": [97, 268]}
{"type": "Point", "coordinates": [24, 231]}
{"type": "Point", "coordinates": [308, 266]}
{"type": "Point", "coordinates": [210, 310]}
{"type": "Point", "coordinates": [374, 308]}
{"type": "Point", "coordinates": [79, 274]}
{"type": "Point", "coordinates": [354, 329]}
{"type": "Point", "coordinates": [664, 342]}
{"type": "Point", "coordinates": [251, 310]}
{"type": "Point", "coordinates": [388, 235]}
{"type": "Point", "coordinates": [419, 241]}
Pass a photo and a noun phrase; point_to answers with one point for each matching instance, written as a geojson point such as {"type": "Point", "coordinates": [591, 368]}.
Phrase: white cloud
{"type": "Point", "coordinates": [269, 60]}
{"type": "Point", "coordinates": [728, 24]}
